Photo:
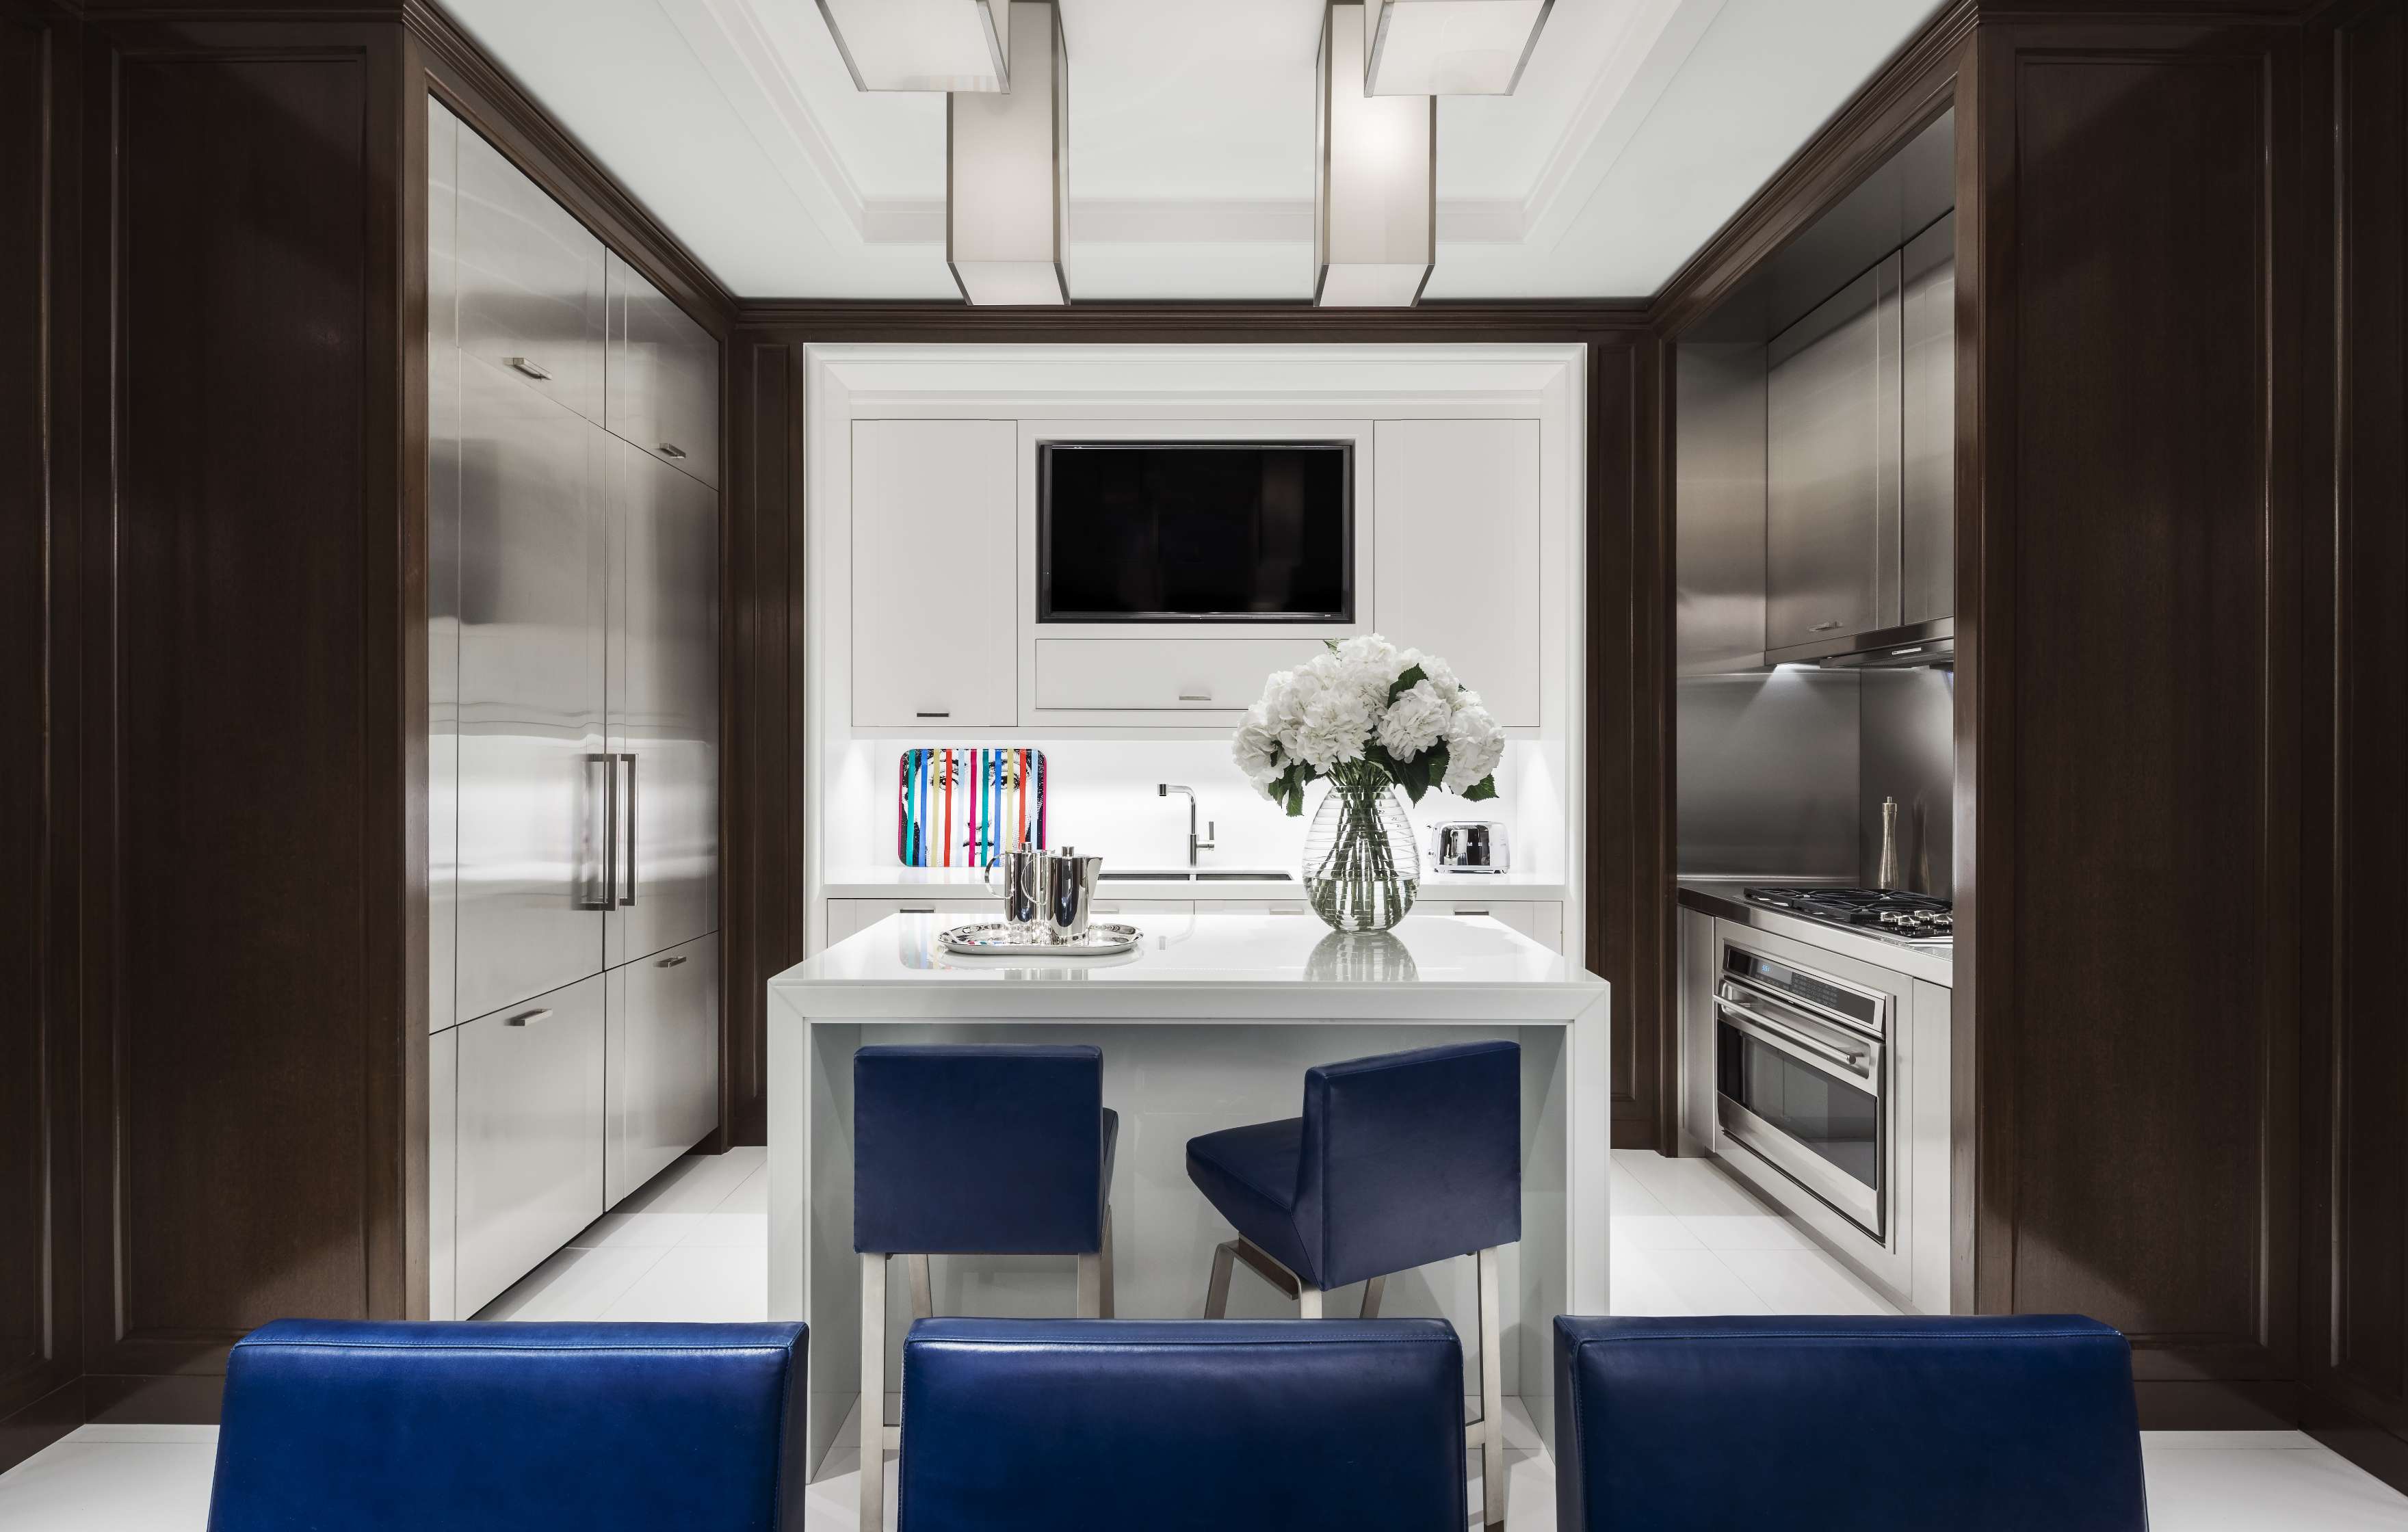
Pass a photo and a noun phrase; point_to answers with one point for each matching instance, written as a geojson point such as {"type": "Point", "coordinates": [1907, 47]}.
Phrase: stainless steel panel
{"type": "Point", "coordinates": [1831, 459]}
{"type": "Point", "coordinates": [663, 1069]}
{"type": "Point", "coordinates": [1718, 535]}
{"type": "Point", "coordinates": [442, 577]}
{"type": "Point", "coordinates": [442, 1174]}
{"type": "Point", "coordinates": [1697, 1050]}
{"type": "Point", "coordinates": [531, 687]}
{"type": "Point", "coordinates": [1766, 771]}
{"type": "Point", "coordinates": [1909, 752]}
{"type": "Point", "coordinates": [530, 1136]}
{"type": "Point", "coordinates": [662, 377]}
{"type": "Point", "coordinates": [663, 704]}
{"type": "Point", "coordinates": [1928, 425]}
{"type": "Point", "coordinates": [531, 282]}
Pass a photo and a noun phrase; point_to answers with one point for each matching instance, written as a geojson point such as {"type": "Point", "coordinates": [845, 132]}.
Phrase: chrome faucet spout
{"type": "Point", "coordinates": [1194, 842]}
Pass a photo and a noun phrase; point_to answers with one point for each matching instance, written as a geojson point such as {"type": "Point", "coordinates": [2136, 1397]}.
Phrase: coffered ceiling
{"type": "Point", "coordinates": [1639, 127]}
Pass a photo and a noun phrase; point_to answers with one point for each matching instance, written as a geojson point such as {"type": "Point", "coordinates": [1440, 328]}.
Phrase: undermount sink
{"type": "Point", "coordinates": [1181, 875]}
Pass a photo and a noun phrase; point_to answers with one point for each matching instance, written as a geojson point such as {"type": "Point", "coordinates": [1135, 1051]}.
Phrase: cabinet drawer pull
{"type": "Point", "coordinates": [527, 1018]}
{"type": "Point", "coordinates": [917, 910]}
{"type": "Point", "coordinates": [947, 714]}
{"type": "Point", "coordinates": [671, 962]}
{"type": "Point", "coordinates": [670, 449]}
{"type": "Point", "coordinates": [529, 365]}
{"type": "Point", "coordinates": [1471, 912]}
{"type": "Point", "coordinates": [1195, 696]}
{"type": "Point", "coordinates": [1823, 627]}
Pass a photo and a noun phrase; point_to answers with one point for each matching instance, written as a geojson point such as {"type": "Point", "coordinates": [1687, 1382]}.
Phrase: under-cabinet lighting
{"type": "Point", "coordinates": [1451, 47]}
{"type": "Point", "coordinates": [922, 45]}
{"type": "Point", "coordinates": [1375, 223]}
{"type": "Point", "coordinates": [1007, 210]}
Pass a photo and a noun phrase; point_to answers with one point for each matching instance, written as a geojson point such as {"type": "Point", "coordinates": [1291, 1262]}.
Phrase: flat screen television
{"type": "Point", "coordinates": [1195, 532]}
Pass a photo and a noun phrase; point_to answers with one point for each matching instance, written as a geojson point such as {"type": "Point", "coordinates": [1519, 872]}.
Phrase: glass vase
{"type": "Point", "coordinates": [1361, 866]}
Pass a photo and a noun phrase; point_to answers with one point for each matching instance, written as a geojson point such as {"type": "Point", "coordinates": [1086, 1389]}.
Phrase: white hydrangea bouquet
{"type": "Point", "coordinates": [1368, 718]}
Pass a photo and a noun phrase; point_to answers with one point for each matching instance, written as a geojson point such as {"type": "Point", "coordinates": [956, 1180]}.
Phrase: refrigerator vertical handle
{"type": "Point", "coordinates": [628, 897]}
{"type": "Point", "coordinates": [610, 898]}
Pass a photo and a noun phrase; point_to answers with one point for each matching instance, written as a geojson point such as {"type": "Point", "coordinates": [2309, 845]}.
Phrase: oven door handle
{"type": "Point", "coordinates": [1859, 1061]}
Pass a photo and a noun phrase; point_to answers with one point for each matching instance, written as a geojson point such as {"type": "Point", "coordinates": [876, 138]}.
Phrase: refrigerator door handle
{"type": "Point", "coordinates": [629, 897]}
{"type": "Point", "coordinates": [609, 897]}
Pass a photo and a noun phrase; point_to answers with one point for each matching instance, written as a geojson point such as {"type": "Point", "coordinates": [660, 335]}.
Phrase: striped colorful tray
{"type": "Point", "coordinates": [962, 808]}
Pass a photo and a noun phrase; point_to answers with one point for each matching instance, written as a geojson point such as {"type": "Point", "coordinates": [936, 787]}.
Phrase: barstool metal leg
{"type": "Point", "coordinates": [1373, 1292]}
{"type": "Point", "coordinates": [1091, 1286]}
{"type": "Point", "coordinates": [1308, 1301]}
{"type": "Point", "coordinates": [874, 1391]}
{"type": "Point", "coordinates": [1492, 1395]}
{"type": "Point", "coordinates": [1106, 1310]}
{"type": "Point", "coordinates": [1216, 1293]}
{"type": "Point", "coordinates": [923, 1301]}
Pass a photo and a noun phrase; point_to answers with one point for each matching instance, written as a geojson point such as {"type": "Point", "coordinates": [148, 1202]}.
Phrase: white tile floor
{"type": "Point", "coordinates": [1687, 1240]}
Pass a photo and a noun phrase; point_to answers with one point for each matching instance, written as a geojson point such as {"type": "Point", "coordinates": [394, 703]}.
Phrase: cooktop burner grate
{"type": "Point", "coordinates": [1916, 915]}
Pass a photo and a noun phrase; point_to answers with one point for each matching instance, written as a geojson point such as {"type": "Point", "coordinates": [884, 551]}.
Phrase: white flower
{"type": "Point", "coordinates": [1369, 650]}
{"type": "Point", "coordinates": [1441, 674]}
{"type": "Point", "coordinates": [1257, 747]}
{"type": "Point", "coordinates": [1414, 721]}
{"type": "Point", "coordinates": [1335, 728]}
{"type": "Point", "coordinates": [1474, 743]}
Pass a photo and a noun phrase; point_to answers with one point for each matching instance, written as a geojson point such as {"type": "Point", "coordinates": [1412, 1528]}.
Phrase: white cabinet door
{"type": "Point", "coordinates": [1162, 675]}
{"type": "Point", "coordinates": [529, 1162]}
{"type": "Point", "coordinates": [933, 582]}
{"type": "Point", "coordinates": [851, 917]}
{"type": "Point", "coordinates": [1541, 920]}
{"type": "Point", "coordinates": [1458, 552]}
{"type": "Point", "coordinates": [663, 1068]}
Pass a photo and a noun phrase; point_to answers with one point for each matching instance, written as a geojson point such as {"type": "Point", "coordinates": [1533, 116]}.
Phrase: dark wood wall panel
{"type": "Point", "coordinates": [245, 995]}
{"type": "Point", "coordinates": [2138, 981]}
{"type": "Point", "coordinates": [2356, 1287]}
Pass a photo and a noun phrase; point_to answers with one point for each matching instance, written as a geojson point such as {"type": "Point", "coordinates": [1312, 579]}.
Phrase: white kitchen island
{"type": "Point", "coordinates": [1210, 1028]}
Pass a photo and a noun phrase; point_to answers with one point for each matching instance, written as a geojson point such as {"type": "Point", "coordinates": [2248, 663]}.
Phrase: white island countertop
{"type": "Point", "coordinates": [1228, 965]}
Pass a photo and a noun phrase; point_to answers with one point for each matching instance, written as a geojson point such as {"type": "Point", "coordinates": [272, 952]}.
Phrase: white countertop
{"type": "Point", "coordinates": [863, 882]}
{"type": "Point", "coordinates": [1222, 966]}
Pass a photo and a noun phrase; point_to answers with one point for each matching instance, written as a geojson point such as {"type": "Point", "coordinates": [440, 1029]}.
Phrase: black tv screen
{"type": "Point", "coordinates": [1195, 532]}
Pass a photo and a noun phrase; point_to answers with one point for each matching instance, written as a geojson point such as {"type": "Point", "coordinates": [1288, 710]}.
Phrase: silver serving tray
{"type": "Point", "coordinates": [994, 938]}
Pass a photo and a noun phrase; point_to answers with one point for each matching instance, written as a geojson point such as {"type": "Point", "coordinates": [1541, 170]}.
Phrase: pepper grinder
{"type": "Point", "coordinates": [1888, 877]}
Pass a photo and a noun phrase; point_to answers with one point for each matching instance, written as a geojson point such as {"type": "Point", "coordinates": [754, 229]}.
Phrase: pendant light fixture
{"type": "Point", "coordinates": [922, 45]}
{"type": "Point", "coordinates": [1375, 215]}
{"type": "Point", "coordinates": [1007, 209]}
{"type": "Point", "coordinates": [1451, 47]}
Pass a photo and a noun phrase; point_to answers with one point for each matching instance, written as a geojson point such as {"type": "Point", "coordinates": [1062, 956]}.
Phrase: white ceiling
{"type": "Point", "coordinates": [1639, 126]}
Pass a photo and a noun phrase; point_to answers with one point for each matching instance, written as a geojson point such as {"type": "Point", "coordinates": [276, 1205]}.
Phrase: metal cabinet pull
{"type": "Point", "coordinates": [915, 909]}
{"type": "Point", "coordinates": [947, 713]}
{"type": "Point", "coordinates": [671, 962]}
{"type": "Point", "coordinates": [529, 365]}
{"type": "Point", "coordinates": [1471, 912]}
{"type": "Point", "coordinates": [609, 900]}
{"type": "Point", "coordinates": [527, 1018]}
{"type": "Point", "coordinates": [670, 449]}
{"type": "Point", "coordinates": [1195, 696]}
{"type": "Point", "coordinates": [1823, 627]}
{"type": "Point", "coordinates": [629, 898]}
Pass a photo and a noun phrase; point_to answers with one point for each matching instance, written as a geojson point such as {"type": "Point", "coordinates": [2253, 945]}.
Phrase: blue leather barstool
{"type": "Point", "coordinates": [1976, 1424]}
{"type": "Point", "coordinates": [1173, 1425]}
{"type": "Point", "coordinates": [1399, 1161]}
{"type": "Point", "coordinates": [485, 1427]}
{"type": "Point", "coordinates": [972, 1151]}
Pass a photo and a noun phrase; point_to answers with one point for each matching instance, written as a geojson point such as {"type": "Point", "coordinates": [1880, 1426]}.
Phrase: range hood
{"type": "Point", "coordinates": [1915, 646]}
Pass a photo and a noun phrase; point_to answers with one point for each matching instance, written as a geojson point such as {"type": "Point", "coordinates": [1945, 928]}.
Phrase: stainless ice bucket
{"type": "Point", "coordinates": [1050, 893]}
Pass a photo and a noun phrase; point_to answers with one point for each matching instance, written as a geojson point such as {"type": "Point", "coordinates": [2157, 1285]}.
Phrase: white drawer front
{"type": "Point", "coordinates": [1161, 675]}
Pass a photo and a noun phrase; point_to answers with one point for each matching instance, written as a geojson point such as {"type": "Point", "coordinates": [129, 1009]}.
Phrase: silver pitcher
{"type": "Point", "coordinates": [1046, 894]}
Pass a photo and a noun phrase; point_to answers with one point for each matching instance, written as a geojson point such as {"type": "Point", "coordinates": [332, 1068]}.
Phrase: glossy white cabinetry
{"type": "Point", "coordinates": [1458, 552]}
{"type": "Point", "coordinates": [662, 1068]}
{"type": "Point", "coordinates": [662, 385]}
{"type": "Point", "coordinates": [1541, 920]}
{"type": "Point", "coordinates": [1161, 675]}
{"type": "Point", "coordinates": [934, 578]}
{"type": "Point", "coordinates": [530, 282]}
{"type": "Point", "coordinates": [530, 1147]}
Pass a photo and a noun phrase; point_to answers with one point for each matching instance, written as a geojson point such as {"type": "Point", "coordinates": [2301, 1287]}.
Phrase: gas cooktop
{"type": "Point", "coordinates": [1917, 917]}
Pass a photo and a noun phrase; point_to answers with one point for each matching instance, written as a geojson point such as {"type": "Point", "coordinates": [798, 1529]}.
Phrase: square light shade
{"type": "Point", "coordinates": [922, 45]}
{"type": "Point", "coordinates": [1375, 215]}
{"type": "Point", "coordinates": [1450, 47]}
{"type": "Point", "coordinates": [1007, 209]}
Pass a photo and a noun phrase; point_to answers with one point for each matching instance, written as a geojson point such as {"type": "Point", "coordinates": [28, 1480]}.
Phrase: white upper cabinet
{"type": "Point", "coordinates": [935, 580]}
{"type": "Point", "coordinates": [663, 388]}
{"type": "Point", "coordinates": [530, 282]}
{"type": "Point", "coordinates": [1458, 552]}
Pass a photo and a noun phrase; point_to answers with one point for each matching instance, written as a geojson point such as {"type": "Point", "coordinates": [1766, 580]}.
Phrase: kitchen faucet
{"type": "Point", "coordinates": [1164, 790]}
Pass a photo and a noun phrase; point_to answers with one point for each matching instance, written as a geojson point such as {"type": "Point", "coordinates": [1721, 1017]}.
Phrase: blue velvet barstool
{"type": "Point", "coordinates": [1399, 1161]}
{"type": "Point", "coordinates": [972, 1151]}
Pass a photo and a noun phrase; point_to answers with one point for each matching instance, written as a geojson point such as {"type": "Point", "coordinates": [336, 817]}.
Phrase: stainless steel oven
{"type": "Point", "coordinates": [1802, 1079]}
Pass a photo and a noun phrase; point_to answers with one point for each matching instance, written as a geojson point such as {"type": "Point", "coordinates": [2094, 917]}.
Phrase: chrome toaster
{"type": "Point", "coordinates": [1471, 845]}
